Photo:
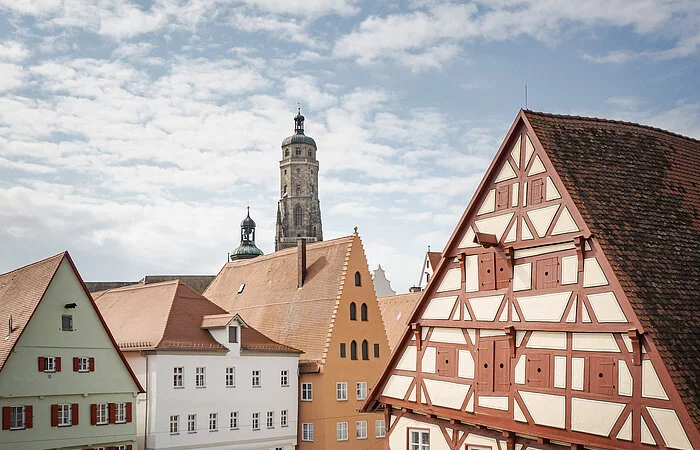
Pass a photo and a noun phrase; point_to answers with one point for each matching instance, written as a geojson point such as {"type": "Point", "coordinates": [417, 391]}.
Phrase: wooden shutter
{"type": "Point", "coordinates": [28, 416]}
{"type": "Point", "coordinates": [487, 275]}
{"type": "Point", "coordinates": [503, 271]}
{"type": "Point", "coordinates": [602, 375]}
{"type": "Point", "coordinates": [112, 409]}
{"type": "Point", "coordinates": [58, 364]}
{"type": "Point", "coordinates": [547, 273]}
{"type": "Point", "coordinates": [503, 197]}
{"type": "Point", "coordinates": [93, 414]}
{"type": "Point", "coordinates": [128, 447]}
{"type": "Point", "coordinates": [41, 364]}
{"type": "Point", "coordinates": [537, 369]}
{"type": "Point", "coordinates": [54, 415]}
{"type": "Point", "coordinates": [92, 364]}
{"type": "Point", "coordinates": [74, 413]}
{"type": "Point", "coordinates": [5, 417]}
{"type": "Point", "coordinates": [446, 361]}
{"type": "Point", "coordinates": [536, 191]}
{"type": "Point", "coordinates": [129, 406]}
{"type": "Point", "coordinates": [501, 366]}
{"type": "Point", "coordinates": [76, 364]}
{"type": "Point", "coordinates": [484, 373]}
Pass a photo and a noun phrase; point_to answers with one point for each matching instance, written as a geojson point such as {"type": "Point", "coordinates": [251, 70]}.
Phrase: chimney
{"type": "Point", "coordinates": [301, 261]}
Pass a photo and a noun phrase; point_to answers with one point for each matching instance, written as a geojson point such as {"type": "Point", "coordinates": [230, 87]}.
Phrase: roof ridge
{"type": "Point", "coordinates": [610, 121]}
{"type": "Point", "coordinates": [289, 250]}
{"type": "Point", "coordinates": [62, 254]}
{"type": "Point", "coordinates": [139, 285]}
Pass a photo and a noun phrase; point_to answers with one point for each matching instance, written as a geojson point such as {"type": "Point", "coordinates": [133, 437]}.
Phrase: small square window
{"type": "Point", "coordinates": [83, 364]}
{"type": "Point", "coordinates": [66, 322]}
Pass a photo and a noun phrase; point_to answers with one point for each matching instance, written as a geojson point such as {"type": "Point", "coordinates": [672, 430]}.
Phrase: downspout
{"type": "Point", "coordinates": [145, 426]}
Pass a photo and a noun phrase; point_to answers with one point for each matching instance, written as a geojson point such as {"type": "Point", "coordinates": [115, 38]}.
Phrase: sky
{"type": "Point", "coordinates": [134, 133]}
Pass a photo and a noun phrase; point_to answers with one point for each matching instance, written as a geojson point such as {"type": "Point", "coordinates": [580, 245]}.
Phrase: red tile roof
{"type": "Point", "coordinates": [396, 312]}
{"type": "Point", "coordinates": [434, 258]}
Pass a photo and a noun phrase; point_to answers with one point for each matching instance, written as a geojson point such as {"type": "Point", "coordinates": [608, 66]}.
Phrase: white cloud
{"type": "Point", "coordinates": [13, 51]}
{"type": "Point", "coordinates": [11, 77]}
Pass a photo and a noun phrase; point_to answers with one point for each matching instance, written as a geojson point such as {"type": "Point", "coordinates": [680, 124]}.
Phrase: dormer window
{"type": "Point", "coordinates": [233, 334]}
{"type": "Point", "coordinates": [240, 289]}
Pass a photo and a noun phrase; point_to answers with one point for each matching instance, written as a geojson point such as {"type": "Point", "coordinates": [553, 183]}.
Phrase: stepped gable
{"type": "Point", "coordinates": [638, 188]}
{"type": "Point", "coordinates": [271, 302]}
{"type": "Point", "coordinates": [396, 313]}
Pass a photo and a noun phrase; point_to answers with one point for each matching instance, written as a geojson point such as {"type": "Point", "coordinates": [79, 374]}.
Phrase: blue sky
{"type": "Point", "coordinates": [134, 133]}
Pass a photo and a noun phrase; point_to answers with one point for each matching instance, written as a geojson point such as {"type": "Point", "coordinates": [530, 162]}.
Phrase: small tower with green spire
{"type": "Point", "coordinates": [247, 249]}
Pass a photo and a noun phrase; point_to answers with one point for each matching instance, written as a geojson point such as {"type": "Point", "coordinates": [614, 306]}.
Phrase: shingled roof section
{"type": "Point", "coordinates": [271, 303]}
{"type": "Point", "coordinates": [638, 188]}
{"type": "Point", "coordinates": [396, 312]}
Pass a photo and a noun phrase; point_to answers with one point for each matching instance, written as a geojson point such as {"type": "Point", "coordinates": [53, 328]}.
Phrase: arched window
{"type": "Point", "coordinates": [297, 216]}
{"type": "Point", "coordinates": [365, 350]}
{"type": "Point", "coordinates": [298, 189]}
{"type": "Point", "coordinates": [353, 350]}
{"type": "Point", "coordinates": [363, 312]}
{"type": "Point", "coordinates": [286, 152]}
{"type": "Point", "coordinates": [358, 280]}
{"type": "Point", "coordinates": [353, 311]}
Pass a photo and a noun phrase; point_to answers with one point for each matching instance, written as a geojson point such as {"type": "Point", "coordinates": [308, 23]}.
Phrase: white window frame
{"type": "Point", "coordinates": [83, 364]}
{"type": "Point", "coordinates": [120, 412]}
{"type": "Point", "coordinates": [307, 432]}
{"type": "Point", "coordinates": [174, 424]}
{"type": "Point", "coordinates": [270, 420]}
{"type": "Point", "coordinates": [284, 378]}
{"type": "Point", "coordinates": [213, 421]}
{"type": "Point", "coordinates": [341, 391]}
{"type": "Point", "coordinates": [284, 418]}
{"type": "Point", "coordinates": [200, 377]}
{"type": "Point", "coordinates": [256, 378]}
{"type": "Point", "coordinates": [361, 390]}
{"type": "Point", "coordinates": [178, 377]}
{"type": "Point", "coordinates": [341, 431]}
{"type": "Point", "coordinates": [379, 428]}
{"type": "Point", "coordinates": [18, 418]}
{"type": "Point", "coordinates": [102, 413]}
{"type": "Point", "coordinates": [230, 377]}
{"type": "Point", "coordinates": [65, 415]}
{"type": "Point", "coordinates": [414, 432]}
{"type": "Point", "coordinates": [233, 420]}
{"type": "Point", "coordinates": [361, 429]}
{"type": "Point", "coordinates": [307, 392]}
{"type": "Point", "coordinates": [192, 423]}
{"type": "Point", "coordinates": [49, 363]}
{"type": "Point", "coordinates": [256, 421]}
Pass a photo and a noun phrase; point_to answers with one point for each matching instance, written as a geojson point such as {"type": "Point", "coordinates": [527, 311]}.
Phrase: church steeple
{"type": "Point", "coordinates": [299, 122]}
{"type": "Point", "coordinates": [247, 249]}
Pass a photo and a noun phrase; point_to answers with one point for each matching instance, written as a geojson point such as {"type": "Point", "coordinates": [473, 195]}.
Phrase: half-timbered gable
{"type": "Point", "coordinates": [537, 328]}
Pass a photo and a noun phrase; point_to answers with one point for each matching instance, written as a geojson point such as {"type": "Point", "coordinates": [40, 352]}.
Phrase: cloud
{"type": "Point", "coordinates": [13, 51]}
{"type": "Point", "coordinates": [11, 77]}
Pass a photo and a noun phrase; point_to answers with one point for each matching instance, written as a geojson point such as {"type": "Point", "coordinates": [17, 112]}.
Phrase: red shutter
{"type": "Point", "coordinates": [503, 271]}
{"type": "Point", "coordinates": [28, 416]}
{"type": "Point", "coordinates": [58, 364]}
{"type": "Point", "coordinates": [487, 276]}
{"type": "Point", "coordinates": [76, 364]}
{"type": "Point", "coordinates": [74, 413]}
{"type": "Point", "coordinates": [5, 417]}
{"type": "Point", "coordinates": [446, 362]}
{"type": "Point", "coordinates": [112, 408]}
{"type": "Point", "coordinates": [602, 375]}
{"type": "Point", "coordinates": [93, 414]}
{"type": "Point", "coordinates": [129, 407]}
{"type": "Point", "coordinates": [537, 369]}
{"type": "Point", "coordinates": [41, 364]}
{"type": "Point", "coordinates": [128, 447]}
{"type": "Point", "coordinates": [547, 273]}
{"type": "Point", "coordinates": [92, 364]}
{"type": "Point", "coordinates": [54, 415]}
{"type": "Point", "coordinates": [501, 367]}
{"type": "Point", "coordinates": [536, 190]}
{"type": "Point", "coordinates": [503, 197]}
{"type": "Point", "coordinates": [484, 373]}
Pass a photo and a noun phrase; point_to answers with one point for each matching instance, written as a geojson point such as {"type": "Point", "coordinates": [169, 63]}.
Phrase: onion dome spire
{"type": "Point", "coordinates": [247, 249]}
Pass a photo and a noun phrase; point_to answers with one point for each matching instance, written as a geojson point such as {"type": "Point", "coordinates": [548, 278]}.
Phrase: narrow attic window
{"type": "Point", "coordinates": [67, 322]}
{"type": "Point", "coordinates": [233, 335]}
{"type": "Point", "coordinates": [240, 289]}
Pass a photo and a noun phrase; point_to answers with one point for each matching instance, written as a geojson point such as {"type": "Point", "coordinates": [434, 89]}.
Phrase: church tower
{"type": "Point", "coordinates": [298, 210]}
{"type": "Point", "coordinates": [247, 249]}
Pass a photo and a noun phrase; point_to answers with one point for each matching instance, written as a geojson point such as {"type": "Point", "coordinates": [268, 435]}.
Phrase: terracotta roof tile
{"type": "Point", "coordinates": [434, 258]}
{"type": "Point", "coordinates": [197, 282]}
{"type": "Point", "coordinates": [396, 312]}
{"type": "Point", "coordinates": [638, 189]}
{"type": "Point", "coordinates": [254, 341]}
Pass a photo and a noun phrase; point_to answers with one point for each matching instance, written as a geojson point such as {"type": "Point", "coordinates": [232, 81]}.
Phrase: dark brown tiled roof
{"type": "Point", "coordinates": [396, 312]}
{"type": "Point", "coordinates": [198, 283]}
{"type": "Point", "coordinates": [271, 302]}
{"type": "Point", "coordinates": [638, 188]}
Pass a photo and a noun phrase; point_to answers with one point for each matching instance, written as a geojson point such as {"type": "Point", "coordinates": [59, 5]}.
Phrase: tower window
{"type": "Point", "coordinates": [353, 311]}
{"type": "Point", "coordinates": [285, 190]}
{"type": "Point", "coordinates": [298, 189]}
{"type": "Point", "coordinates": [286, 152]}
{"type": "Point", "coordinates": [353, 350]}
{"type": "Point", "coordinates": [298, 151]}
{"type": "Point", "coordinates": [310, 153]}
{"type": "Point", "coordinates": [358, 279]}
{"type": "Point", "coordinates": [297, 215]}
{"type": "Point", "coordinates": [363, 312]}
{"type": "Point", "coordinates": [365, 350]}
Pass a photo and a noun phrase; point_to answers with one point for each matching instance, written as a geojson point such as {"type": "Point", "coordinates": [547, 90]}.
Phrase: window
{"type": "Point", "coordinates": [297, 215]}
{"type": "Point", "coordinates": [342, 350]}
{"type": "Point", "coordinates": [174, 424]}
{"type": "Point", "coordinates": [286, 153]}
{"type": "Point", "coordinates": [297, 151]}
{"type": "Point", "coordinates": [120, 413]}
{"type": "Point", "coordinates": [306, 392]}
{"type": "Point", "coordinates": [365, 350]}
{"type": "Point", "coordinates": [379, 428]}
{"type": "Point", "coordinates": [233, 331]}
{"type": "Point", "coordinates": [192, 423]}
{"type": "Point", "coordinates": [233, 420]}
{"type": "Point", "coordinates": [213, 421]}
{"type": "Point", "coordinates": [284, 418]}
{"type": "Point", "coordinates": [363, 312]}
{"type": "Point", "coordinates": [270, 419]}
{"type": "Point", "coordinates": [49, 364]}
{"type": "Point", "coordinates": [284, 378]}
{"type": "Point", "coordinates": [66, 322]}
{"type": "Point", "coordinates": [358, 279]}
{"type": "Point", "coordinates": [418, 439]}
{"type": "Point", "coordinates": [230, 377]}
{"type": "Point", "coordinates": [361, 390]}
{"type": "Point", "coordinates": [65, 416]}
{"type": "Point", "coordinates": [353, 311]}
{"type": "Point", "coordinates": [376, 350]}
{"type": "Point", "coordinates": [307, 432]}
{"type": "Point", "coordinates": [256, 421]}
{"type": "Point", "coordinates": [353, 350]}
{"type": "Point", "coordinates": [256, 379]}
{"type": "Point", "coordinates": [341, 431]}
{"type": "Point", "coordinates": [341, 391]}
{"type": "Point", "coordinates": [200, 380]}
{"type": "Point", "coordinates": [83, 364]}
{"type": "Point", "coordinates": [310, 154]}
{"type": "Point", "coordinates": [101, 414]}
{"type": "Point", "coordinates": [298, 189]}
{"type": "Point", "coordinates": [17, 418]}
{"type": "Point", "coordinates": [178, 377]}
{"type": "Point", "coordinates": [361, 429]}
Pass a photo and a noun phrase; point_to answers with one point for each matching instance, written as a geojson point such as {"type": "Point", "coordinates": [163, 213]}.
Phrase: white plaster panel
{"type": "Point", "coordinates": [627, 341]}
{"type": "Point", "coordinates": [448, 335]}
{"type": "Point", "coordinates": [606, 308]}
{"type": "Point", "coordinates": [544, 308]}
{"type": "Point", "coordinates": [481, 441]}
{"type": "Point", "coordinates": [577, 369]}
{"type": "Point", "coordinates": [647, 437]}
{"type": "Point", "coordinates": [428, 360]}
{"type": "Point", "coordinates": [444, 393]}
{"type": "Point", "coordinates": [529, 150]}
{"type": "Point", "coordinates": [452, 281]}
{"type": "Point", "coordinates": [594, 342]}
{"type": "Point", "coordinates": [486, 308]}
{"type": "Point", "coordinates": [593, 274]}
{"type": "Point", "coordinates": [569, 269]}
{"type": "Point", "coordinates": [525, 194]}
{"type": "Point", "coordinates": [537, 167]}
{"type": "Point", "coordinates": [439, 308]}
{"type": "Point", "coordinates": [560, 372]}
{"type": "Point", "coordinates": [506, 173]}
{"type": "Point", "coordinates": [472, 273]}
{"type": "Point", "coordinates": [625, 432]}
{"type": "Point", "coordinates": [543, 249]}
{"type": "Point", "coordinates": [468, 240]}
{"type": "Point", "coordinates": [545, 409]}
{"type": "Point", "coordinates": [423, 396]}
{"type": "Point", "coordinates": [397, 386]}
{"type": "Point", "coordinates": [408, 359]}
{"type": "Point", "coordinates": [519, 336]}
{"type": "Point", "coordinates": [491, 333]}
{"type": "Point", "coordinates": [522, 277]}
{"type": "Point", "coordinates": [470, 404]}
{"type": "Point", "coordinates": [585, 318]}
{"type": "Point", "coordinates": [593, 416]}
{"type": "Point", "coordinates": [471, 332]}
{"type": "Point", "coordinates": [494, 225]}
{"type": "Point", "coordinates": [399, 434]}
{"type": "Point", "coordinates": [565, 223]}
{"type": "Point", "coordinates": [551, 191]}
{"type": "Point", "coordinates": [514, 314]}
{"type": "Point", "coordinates": [571, 317]}
{"type": "Point", "coordinates": [514, 198]}
{"type": "Point", "coordinates": [624, 379]}
{"type": "Point", "coordinates": [412, 395]}
{"type": "Point", "coordinates": [512, 233]}
{"type": "Point", "coordinates": [520, 370]}
{"type": "Point", "coordinates": [525, 232]}
{"type": "Point", "coordinates": [424, 333]}
{"type": "Point", "coordinates": [455, 316]}
{"type": "Point", "coordinates": [670, 427]}
{"type": "Point", "coordinates": [465, 369]}
{"type": "Point", "coordinates": [518, 413]}
{"type": "Point", "coordinates": [515, 153]}
{"type": "Point", "coordinates": [504, 315]}
{"type": "Point", "coordinates": [541, 218]}
{"type": "Point", "coordinates": [651, 385]}
{"type": "Point", "coordinates": [547, 339]}
{"type": "Point", "coordinates": [489, 204]}
{"type": "Point", "coordinates": [467, 316]}
{"type": "Point", "coordinates": [493, 402]}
